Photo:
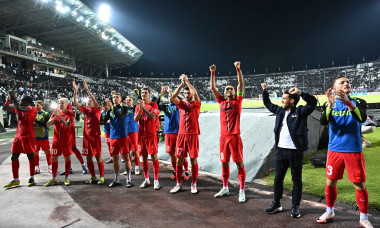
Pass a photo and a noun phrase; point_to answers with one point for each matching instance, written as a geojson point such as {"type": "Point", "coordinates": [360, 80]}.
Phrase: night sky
{"type": "Point", "coordinates": [188, 36]}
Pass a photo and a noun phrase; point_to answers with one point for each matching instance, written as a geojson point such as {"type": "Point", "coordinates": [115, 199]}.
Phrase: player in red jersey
{"type": "Point", "coordinates": [62, 119]}
{"type": "Point", "coordinates": [24, 139]}
{"type": "Point", "coordinates": [91, 135]}
{"type": "Point", "coordinates": [187, 142]}
{"type": "Point", "coordinates": [146, 113]}
{"type": "Point", "coordinates": [73, 142]}
{"type": "Point", "coordinates": [230, 142]}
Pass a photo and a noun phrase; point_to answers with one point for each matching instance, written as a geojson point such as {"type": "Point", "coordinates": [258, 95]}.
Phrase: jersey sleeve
{"type": "Point", "coordinates": [155, 109]}
{"type": "Point", "coordinates": [52, 116]}
{"type": "Point", "coordinates": [137, 109]}
{"type": "Point", "coordinates": [83, 109]}
{"type": "Point", "coordinates": [240, 98]}
{"type": "Point", "coordinates": [181, 104]}
{"type": "Point", "coordinates": [220, 99]}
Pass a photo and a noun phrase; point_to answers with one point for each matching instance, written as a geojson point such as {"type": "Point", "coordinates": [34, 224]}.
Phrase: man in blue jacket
{"type": "Point", "coordinates": [291, 141]}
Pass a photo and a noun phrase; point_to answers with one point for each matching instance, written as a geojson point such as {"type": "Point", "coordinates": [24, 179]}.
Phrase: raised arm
{"type": "Point", "coordinates": [76, 103]}
{"type": "Point", "coordinates": [92, 97]}
{"type": "Point", "coordinates": [359, 112]}
{"type": "Point", "coordinates": [53, 117]}
{"type": "Point", "coordinates": [192, 89]}
{"type": "Point", "coordinates": [311, 101]}
{"type": "Point", "coordinates": [268, 104]}
{"type": "Point", "coordinates": [6, 106]}
{"type": "Point", "coordinates": [213, 88]}
{"type": "Point", "coordinates": [240, 88]}
{"type": "Point", "coordinates": [176, 93]}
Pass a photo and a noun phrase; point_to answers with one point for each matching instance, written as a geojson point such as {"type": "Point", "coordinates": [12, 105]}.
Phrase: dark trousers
{"type": "Point", "coordinates": [293, 159]}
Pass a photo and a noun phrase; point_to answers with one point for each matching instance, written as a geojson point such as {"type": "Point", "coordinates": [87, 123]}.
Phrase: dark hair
{"type": "Point", "coordinates": [104, 103]}
{"type": "Point", "coordinates": [28, 100]}
{"type": "Point", "coordinates": [145, 89]}
{"type": "Point", "coordinates": [295, 97]}
{"type": "Point", "coordinates": [123, 98]}
{"type": "Point", "coordinates": [339, 77]}
{"type": "Point", "coordinates": [187, 88]}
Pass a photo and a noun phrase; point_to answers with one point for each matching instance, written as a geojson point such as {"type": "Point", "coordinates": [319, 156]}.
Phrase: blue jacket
{"type": "Point", "coordinates": [297, 120]}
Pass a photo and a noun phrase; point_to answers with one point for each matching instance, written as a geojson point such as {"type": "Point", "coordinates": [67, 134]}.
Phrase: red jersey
{"type": "Point", "coordinates": [62, 133]}
{"type": "Point", "coordinates": [91, 120]}
{"type": "Point", "coordinates": [188, 119]}
{"type": "Point", "coordinates": [230, 112]}
{"type": "Point", "coordinates": [25, 123]}
{"type": "Point", "coordinates": [147, 127]}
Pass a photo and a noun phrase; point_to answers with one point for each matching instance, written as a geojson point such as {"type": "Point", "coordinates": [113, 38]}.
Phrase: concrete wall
{"type": "Point", "coordinates": [258, 139]}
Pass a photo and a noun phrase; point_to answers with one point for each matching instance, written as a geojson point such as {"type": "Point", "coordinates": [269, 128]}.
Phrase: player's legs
{"type": "Point", "coordinates": [15, 166]}
{"type": "Point", "coordinates": [128, 164]}
{"type": "Point", "coordinates": [67, 168]}
{"type": "Point", "coordinates": [36, 159]}
{"type": "Point", "coordinates": [90, 165]}
{"type": "Point", "coordinates": [174, 165]}
{"type": "Point", "coordinates": [156, 170]}
{"type": "Point", "coordinates": [48, 159]}
{"type": "Point", "coordinates": [296, 162]}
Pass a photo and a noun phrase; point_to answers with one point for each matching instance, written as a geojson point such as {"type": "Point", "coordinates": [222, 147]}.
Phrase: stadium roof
{"type": "Point", "coordinates": [71, 26]}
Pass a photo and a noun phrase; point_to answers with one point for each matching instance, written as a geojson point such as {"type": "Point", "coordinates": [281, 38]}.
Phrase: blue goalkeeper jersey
{"type": "Point", "coordinates": [344, 129]}
{"type": "Point", "coordinates": [119, 127]}
{"type": "Point", "coordinates": [171, 114]}
{"type": "Point", "coordinates": [132, 125]}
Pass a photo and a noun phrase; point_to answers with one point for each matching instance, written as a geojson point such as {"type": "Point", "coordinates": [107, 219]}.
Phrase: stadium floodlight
{"type": "Point", "coordinates": [119, 46]}
{"type": "Point", "coordinates": [58, 2]}
{"type": "Point", "coordinates": [123, 49]}
{"type": "Point", "coordinates": [74, 13]}
{"type": "Point", "coordinates": [113, 42]}
{"type": "Point", "coordinates": [95, 26]}
{"type": "Point", "coordinates": [45, 1]}
{"type": "Point", "coordinates": [52, 48]}
{"type": "Point", "coordinates": [104, 13]}
{"type": "Point", "coordinates": [39, 44]}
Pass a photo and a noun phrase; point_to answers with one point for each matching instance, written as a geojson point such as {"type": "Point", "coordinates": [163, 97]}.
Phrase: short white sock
{"type": "Point", "coordinates": [31, 177]}
{"type": "Point", "coordinates": [363, 216]}
{"type": "Point", "coordinates": [156, 182]}
{"type": "Point", "coordinates": [16, 179]}
{"type": "Point", "coordinates": [241, 191]}
{"type": "Point", "coordinates": [330, 210]}
{"type": "Point", "coordinates": [136, 167]}
{"type": "Point", "coordinates": [147, 179]}
{"type": "Point", "coordinates": [226, 188]}
{"type": "Point", "coordinates": [116, 177]}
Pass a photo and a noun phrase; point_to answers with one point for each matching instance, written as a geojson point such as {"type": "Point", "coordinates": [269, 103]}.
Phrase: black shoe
{"type": "Point", "coordinates": [274, 208]}
{"type": "Point", "coordinates": [296, 212]}
{"type": "Point", "coordinates": [114, 184]}
{"type": "Point", "coordinates": [63, 172]}
{"type": "Point", "coordinates": [109, 161]}
{"type": "Point", "coordinates": [129, 185]}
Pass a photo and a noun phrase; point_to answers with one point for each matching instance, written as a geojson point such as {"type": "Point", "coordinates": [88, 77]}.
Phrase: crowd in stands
{"type": "Point", "coordinates": [364, 78]}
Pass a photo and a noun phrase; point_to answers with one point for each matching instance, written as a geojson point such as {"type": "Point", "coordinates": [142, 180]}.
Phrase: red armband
{"type": "Point", "coordinates": [349, 104]}
{"type": "Point", "coordinates": [212, 73]}
{"type": "Point", "coordinates": [8, 102]}
{"type": "Point", "coordinates": [237, 69]}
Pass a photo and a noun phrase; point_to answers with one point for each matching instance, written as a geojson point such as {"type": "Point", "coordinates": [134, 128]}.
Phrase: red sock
{"type": "Point", "coordinates": [79, 156]}
{"type": "Point", "coordinates": [362, 200]}
{"type": "Point", "coordinates": [225, 175]}
{"type": "Point", "coordinates": [186, 166]}
{"type": "Point", "coordinates": [48, 159]}
{"type": "Point", "coordinates": [36, 159]}
{"type": "Point", "coordinates": [101, 168]}
{"type": "Point", "coordinates": [91, 167]}
{"type": "Point", "coordinates": [156, 169]}
{"type": "Point", "coordinates": [174, 164]}
{"type": "Point", "coordinates": [31, 167]}
{"type": "Point", "coordinates": [241, 176]}
{"type": "Point", "coordinates": [54, 168]}
{"type": "Point", "coordinates": [137, 160]}
{"type": "Point", "coordinates": [178, 173]}
{"type": "Point", "coordinates": [109, 149]}
{"type": "Point", "coordinates": [194, 173]}
{"type": "Point", "coordinates": [67, 168]}
{"type": "Point", "coordinates": [15, 167]}
{"type": "Point", "coordinates": [330, 194]}
{"type": "Point", "coordinates": [145, 166]}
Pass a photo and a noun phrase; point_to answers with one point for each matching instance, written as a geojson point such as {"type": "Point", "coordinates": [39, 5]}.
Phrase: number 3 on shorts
{"type": "Point", "coordinates": [329, 170]}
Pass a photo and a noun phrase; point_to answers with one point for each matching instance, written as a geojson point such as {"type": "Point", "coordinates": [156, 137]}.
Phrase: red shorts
{"type": "Point", "coordinates": [133, 138]}
{"type": "Point", "coordinates": [92, 146]}
{"type": "Point", "coordinates": [23, 145]}
{"type": "Point", "coordinates": [119, 145]}
{"type": "Point", "coordinates": [231, 145]}
{"type": "Point", "coordinates": [187, 144]}
{"type": "Point", "coordinates": [42, 145]}
{"type": "Point", "coordinates": [354, 163]}
{"type": "Point", "coordinates": [148, 145]}
{"type": "Point", "coordinates": [170, 142]}
{"type": "Point", "coordinates": [107, 138]}
{"type": "Point", "coordinates": [60, 148]}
